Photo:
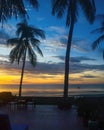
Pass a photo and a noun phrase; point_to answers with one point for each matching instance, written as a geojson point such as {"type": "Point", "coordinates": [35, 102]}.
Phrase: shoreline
{"type": "Point", "coordinates": [54, 90]}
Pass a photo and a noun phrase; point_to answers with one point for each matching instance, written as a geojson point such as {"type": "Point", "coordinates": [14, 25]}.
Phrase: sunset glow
{"type": "Point", "coordinates": [86, 65]}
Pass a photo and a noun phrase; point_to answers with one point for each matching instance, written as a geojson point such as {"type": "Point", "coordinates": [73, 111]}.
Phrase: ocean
{"type": "Point", "coordinates": [54, 90]}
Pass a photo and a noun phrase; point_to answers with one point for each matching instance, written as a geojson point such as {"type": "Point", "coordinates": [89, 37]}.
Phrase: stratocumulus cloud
{"type": "Point", "coordinates": [53, 68]}
{"type": "Point", "coordinates": [89, 76]}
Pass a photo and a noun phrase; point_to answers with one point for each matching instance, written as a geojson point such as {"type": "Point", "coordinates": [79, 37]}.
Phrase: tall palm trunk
{"type": "Point", "coordinates": [22, 73]}
{"type": "Point", "coordinates": [67, 59]}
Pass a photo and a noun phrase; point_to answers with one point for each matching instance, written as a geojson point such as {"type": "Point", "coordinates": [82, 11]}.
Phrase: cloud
{"type": "Point", "coordinates": [40, 18]}
{"type": "Point", "coordinates": [3, 37]}
{"type": "Point", "coordinates": [75, 59]}
{"type": "Point", "coordinates": [51, 68]}
{"type": "Point", "coordinates": [62, 58]}
{"type": "Point", "coordinates": [89, 76]}
{"type": "Point", "coordinates": [79, 68]}
{"type": "Point", "coordinates": [81, 59]}
{"type": "Point", "coordinates": [52, 46]}
{"type": "Point", "coordinates": [60, 35]}
{"type": "Point", "coordinates": [56, 29]}
{"type": "Point", "coordinates": [45, 68]}
{"type": "Point", "coordinates": [81, 45]}
{"type": "Point", "coordinates": [4, 57]}
{"type": "Point", "coordinates": [28, 8]}
{"type": "Point", "coordinates": [78, 44]}
{"type": "Point", "coordinates": [8, 30]}
{"type": "Point", "coordinates": [63, 40]}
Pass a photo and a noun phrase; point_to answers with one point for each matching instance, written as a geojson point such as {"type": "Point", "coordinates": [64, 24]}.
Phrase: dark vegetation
{"type": "Point", "coordinates": [91, 108]}
{"type": "Point", "coordinates": [88, 108]}
{"type": "Point", "coordinates": [6, 97]}
{"type": "Point", "coordinates": [63, 104]}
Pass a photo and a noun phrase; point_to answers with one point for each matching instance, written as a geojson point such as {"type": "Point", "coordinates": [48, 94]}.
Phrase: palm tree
{"type": "Point", "coordinates": [59, 7]}
{"type": "Point", "coordinates": [100, 39]}
{"type": "Point", "coordinates": [24, 44]}
{"type": "Point", "coordinates": [9, 8]}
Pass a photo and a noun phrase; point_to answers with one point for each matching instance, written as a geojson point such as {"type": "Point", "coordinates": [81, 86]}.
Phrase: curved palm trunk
{"type": "Point", "coordinates": [67, 59]}
{"type": "Point", "coordinates": [22, 73]}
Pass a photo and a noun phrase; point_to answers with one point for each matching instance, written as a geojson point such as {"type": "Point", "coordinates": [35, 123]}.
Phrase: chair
{"type": "Point", "coordinates": [5, 124]}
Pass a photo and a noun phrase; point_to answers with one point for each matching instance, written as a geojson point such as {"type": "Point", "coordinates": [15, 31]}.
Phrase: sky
{"type": "Point", "coordinates": [86, 65]}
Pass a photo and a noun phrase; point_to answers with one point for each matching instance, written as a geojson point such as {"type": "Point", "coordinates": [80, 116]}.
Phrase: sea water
{"type": "Point", "coordinates": [54, 89]}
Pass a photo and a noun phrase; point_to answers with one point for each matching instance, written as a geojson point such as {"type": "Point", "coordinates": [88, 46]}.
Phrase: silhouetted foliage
{"type": "Point", "coordinates": [59, 7]}
{"type": "Point", "coordinates": [16, 8]}
{"type": "Point", "coordinates": [24, 44]}
{"type": "Point", "coordinates": [5, 97]}
{"type": "Point", "coordinates": [100, 39]}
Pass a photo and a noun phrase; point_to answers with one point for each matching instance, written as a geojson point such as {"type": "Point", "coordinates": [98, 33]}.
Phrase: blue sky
{"type": "Point", "coordinates": [86, 66]}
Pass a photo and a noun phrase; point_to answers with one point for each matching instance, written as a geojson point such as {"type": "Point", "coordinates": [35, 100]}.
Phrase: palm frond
{"type": "Point", "coordinates": [34, 3]}
{"type": "Point", "coordinates": [13, 54]}
{"type": "Point", "coordinates": [59, 7]}
{"type": "Point", "coordinates": [26, 41]}
{"type": "Point", "coordinates": [32, 56]}
{"type": "Point", "coordinates": [88, 9]}
{"type": "Point", "coordinates": [20, 28]}
{"type": "Point", "coordinates": [19, 8]}
{"type": "Point", "coordinates": [97, 42]}
{"type": "Point", "coordinates": [16, 8]}
{"type": "Point", "coordinates": [99, 17]}
{"type": "Point", "coordinates": [34, 41]}
{"type": "Point", "coordinates": [93, 4]}
{"type": "Point", "coordinates": [35, 44]}
{"type": "Point", "coordinates": [24, 30]}
{"type": "Point", "coordinates": [39, 50]}
{"type": "Point", "coordinates": [21, 53]}
{"type": "Point", "coordinates": [38, 32]}
{"type": "Point", "coordinates": [13, 41]}
{"type": "Point", "coordinates": [98, 30]}
{"type": "Point", "coordinates": [4, 12]}
{"type": "Point", "coordinates": [17, 52]}
{"type": "Point", "coordinates": [72, 12]}
{"type": "Point", "coordinates": [9, 8]}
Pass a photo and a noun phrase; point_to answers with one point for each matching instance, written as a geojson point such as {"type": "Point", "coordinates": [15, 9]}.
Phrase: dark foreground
{"type": "Point", "coordinates": [55, 113]}
{"type": "Point", "coordinates": [45, 117]}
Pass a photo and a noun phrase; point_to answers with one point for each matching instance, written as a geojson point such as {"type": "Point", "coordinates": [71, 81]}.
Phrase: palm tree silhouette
{"type": "Point", "coordinates": [59, 7]}
{"type": "Point", "coordinates": [100, 39]}
{"type": "Point", "coordinates": [24, 44]}
{"type": "Point", "coordinates": [16, 8]}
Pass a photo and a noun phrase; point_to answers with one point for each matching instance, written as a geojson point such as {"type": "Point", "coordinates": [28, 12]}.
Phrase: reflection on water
{"type": "Point", "coordinates": [54, 90]}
